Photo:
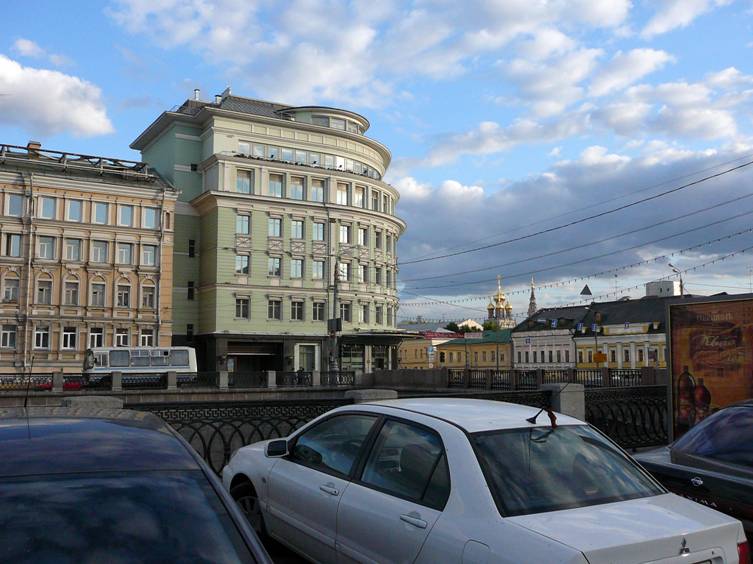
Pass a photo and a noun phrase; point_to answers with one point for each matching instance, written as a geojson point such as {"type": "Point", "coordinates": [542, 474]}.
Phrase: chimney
{"type": "Point", "coordinates": [196, 94]}
{"type": "Point", "coordinates": [32, 147]}
{"type": "Point", "coordinates": [218, 99]}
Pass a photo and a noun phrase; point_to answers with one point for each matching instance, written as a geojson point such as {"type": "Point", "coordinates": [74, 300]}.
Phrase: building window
{"type": "Point", "coordinates": [13, 245]}
{"type": "Point", "coordinates": [121, 337]}
{"type": "Point", "coordinates": [317, 232]}
{"type": "Point", "coordinates": [388, 247]}
{"type": "Point", "coordinates": [243, 182]}
{"type": "Point", "coordinates": [590, 356]}
{"type": "Point", "coordinates": [191, 248]}
{"type": "Point", "coordinates": [275, 185]}
{"type": "Point", "coordinates": [15, 205]}
{"type": "Point", "coordinates": [626, 355]}
{"type": "Point", "coordinates": [46, 247]}
{"type": "Point", "coordinates": [536, 356]}
{"type": "Point", "coordinates": [551, 357]}
{"type": "Point", "coordinates": [363, 273]}
{"type": "Point", "coordinates": [146, 339]}
{"type": "Point", "coordinates": [244, 148]}
{"type": "Point", "coordinates": [559, 356]}
{"type": "Point", "coordinates": [296, 229]}
{"type": "Point", "coordinates": [296, 268]}
{"type": "Point", "coordinates": [189, 332]}
{"type": "Point", "coordinates": [241, 308]}
{"type": "Point", "coordinates": [318, 314]}
{"type": "Point", "coordinates": [100, 213]}
{"type": "Point", "coordinates": [640, 355]}
{"type": "Point", "coordinates": [125, 253]}
{"type": "Point", "coordinates": [286, 155]}
{"type": "Point", "coordinates": [274, 309]}
{"type": "Point", "coordinates": [96, 337]}
{"type": "Point", "coordinates": [613, 355]}
{"type": "Point", "coordinates": [389, 316]}
{"type": "Point", "coordinates": [44, 292]}
{"type": "Point", "coordinates": [342, 194]}
{"type": "Point", "coordinates": [388, 278]}
{"type": "Point", "coordinates": [345, 233]}
{"type": "Point", "coordinates": [317, 190]}
{"type": "Point", "coordinates": [149, 257]}
{"type": "Point", "coordinates": [274, 227]}
{"type": "Point", "coordinates": [375, 201]}
{"type": "Point", "coordinates": [99, 251]}
{"type": "Point", "coordinates": [75, 210]}
{"type": "Point", "coordinates": [345, 312]}
{"type": "Point", "coordinates": [8, 337]}
{"type": "Point", "coordinates": [125, 216]}
{"type": "Point", "coordinates": [296, 311]}
{"type": "Point", "coordinates": [71, 293]}
{"type": "Point", "coordinates": [358, 196]}
{"type": "Point", "coordinates": [243, 224]}
{"type": "Point", "coordinates": [241, 264]}
{"type": "Point", "coordinates": [567, 355]}
{"type": "Point", "coordinates": [378, 238]}
{"type": "Point", "coordinates": [379, 315]}
{"type": "Point", "coordinates": [364, 315]}
{"type": "Point", "coordinates": [10, 290]}
{"type": "Point", "coordinates": [527, 357]}
{"type": "Point", "coordinates": [274, 266]}
{"type": "Point", "coordinates": [296, 188]}
{"type": "Point", "coordinates": [343, 271]}
{"type": "Point", "coordinates": [273, 152]}
{"type": "Point", "coordinates": [42, 338]}
{"type": "Point", "coordinates": [124, 295]}
{"type": "Point", "coordinates": [98, 295]}
{"type": "Point", "coordinates": [363, 236]}
{"type": "Point", "coordinates": [47, 208]}
{"type": "Point", "coordinates": [73, 249]}
{"type": "Point", "coordinates": [378, 275]}
{"type": "Point", "coordinates": [69, 337]}
{"type": "Point", "coordinates": [580, 357]}
{"type": "Point", "coordinates": [519, 356]}
{"type": "Point", "coordinates": [300, 157]}
{"type": "Point", "coordinates": [150, 218]}
{"type": "Point", "coordinates": [148, 296]}
{"type": "Point", "coordinates": [385, 203]}
{"type": "Point", "coordinates": [317, 270]}
{"type": "Point", "coordinates": [190, 291]}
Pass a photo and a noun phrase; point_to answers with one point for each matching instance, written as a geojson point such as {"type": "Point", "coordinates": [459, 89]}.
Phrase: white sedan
{"type": "Point", "coordinates": [463, 480]}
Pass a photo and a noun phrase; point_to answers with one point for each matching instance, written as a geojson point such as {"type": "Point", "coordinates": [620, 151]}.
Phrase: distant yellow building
{"type": "Point", "coordinates": [421, 353]}
{"type": "Point", "coordinates": [629, 334]}
{"type": "Point", "coordinates": [493, 349]}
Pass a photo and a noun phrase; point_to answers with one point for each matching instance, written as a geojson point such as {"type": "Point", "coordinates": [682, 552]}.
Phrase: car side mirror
{"type": "Point", "coordinates": [277, 448]}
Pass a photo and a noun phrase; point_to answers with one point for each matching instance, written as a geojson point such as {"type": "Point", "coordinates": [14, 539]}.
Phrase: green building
{"type": "Point", "coordinates": [274, 202]}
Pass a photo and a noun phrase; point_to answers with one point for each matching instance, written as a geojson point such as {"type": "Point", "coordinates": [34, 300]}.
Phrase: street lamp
{"type": "Point", "coordinates": [679, 273]}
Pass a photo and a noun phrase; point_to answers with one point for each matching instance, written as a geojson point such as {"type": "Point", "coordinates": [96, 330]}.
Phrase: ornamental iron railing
{"type": "Point", "coordinates": [631, 416]}
{"type": "Point", "coordinates": [217, 429]}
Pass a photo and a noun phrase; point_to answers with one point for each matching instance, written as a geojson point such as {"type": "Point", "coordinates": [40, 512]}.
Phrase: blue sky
{"type": "Point", "coordinates": [500, 115]}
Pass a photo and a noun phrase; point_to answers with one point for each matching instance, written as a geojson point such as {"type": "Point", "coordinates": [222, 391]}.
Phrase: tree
{"type": "Point", "coordinates": [490, 325]}
{"type": "Point", "coordinates": [452, 326]}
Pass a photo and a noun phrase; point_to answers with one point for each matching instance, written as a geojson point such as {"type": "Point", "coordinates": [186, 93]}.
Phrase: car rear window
{"type": "Point", "coordinates": [540, 469]}
{"type": "Point", "coordinates": [117, 518]}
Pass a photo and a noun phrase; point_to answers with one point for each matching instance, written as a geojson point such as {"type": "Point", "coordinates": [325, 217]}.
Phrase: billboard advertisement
{"type": "Point", "coordinates": [712, 358]}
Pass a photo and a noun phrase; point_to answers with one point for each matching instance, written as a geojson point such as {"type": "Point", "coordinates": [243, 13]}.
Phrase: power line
{"type": "Point", "coordinates": [597, 204]}
{"type": "Point", "coordinates": [583, 220]}
{"type": "Point", "coordinates": [590, 243]}
{"type": "Point", "coordinates": [610, 253]}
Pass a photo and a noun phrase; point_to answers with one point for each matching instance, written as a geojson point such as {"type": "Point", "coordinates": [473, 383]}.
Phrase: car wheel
{"type": "Point", "coordinates": [245, 496]}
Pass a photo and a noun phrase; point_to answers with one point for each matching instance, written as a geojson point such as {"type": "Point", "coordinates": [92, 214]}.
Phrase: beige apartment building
{"type": "Point", "coordinates": [85, 257]}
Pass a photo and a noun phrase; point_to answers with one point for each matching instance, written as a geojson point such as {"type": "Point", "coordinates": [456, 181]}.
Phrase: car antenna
{"type": "Point", "coordinates": [548, 409]}
{"type": "Point", "coordinates": [28, 383]}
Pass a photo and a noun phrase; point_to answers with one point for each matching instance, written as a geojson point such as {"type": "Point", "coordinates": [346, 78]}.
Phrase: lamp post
{"type": "Point", "coordinates": [679, 273]}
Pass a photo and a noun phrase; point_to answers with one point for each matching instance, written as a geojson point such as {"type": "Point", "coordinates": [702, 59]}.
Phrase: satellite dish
{"type": "Point", "coordinates": [586, 291]}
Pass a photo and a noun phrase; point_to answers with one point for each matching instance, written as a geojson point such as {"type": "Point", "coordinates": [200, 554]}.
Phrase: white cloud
{"type": "Point", "coordinates": [30, 49]}
{"type": "Point", "coordinates": [626, 68]}
{"type": "Point", "coordinates": [597, 155]}
{"type": "Point", "coordinates": [678, 13]}
{"type": "Point", "coordinates": [729, 78]}
{"type": "Point", "coordinates": [47, 101]}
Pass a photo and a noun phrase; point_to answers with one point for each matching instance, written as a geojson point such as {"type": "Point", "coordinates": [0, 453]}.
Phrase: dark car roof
{"type": "Point", "coordinates": [67, 440]}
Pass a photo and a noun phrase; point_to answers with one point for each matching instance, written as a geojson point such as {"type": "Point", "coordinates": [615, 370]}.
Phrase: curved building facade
{"type": "Point", "coordinates": [283, 223]}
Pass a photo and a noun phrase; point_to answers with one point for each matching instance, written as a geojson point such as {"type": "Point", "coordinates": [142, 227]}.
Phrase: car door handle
{"type": "Point", "coordinates": [326, 488]}
{"type": "Point", "coordinates": [696, 481]}
{"type": "Point", "coordinates": [415, 521]}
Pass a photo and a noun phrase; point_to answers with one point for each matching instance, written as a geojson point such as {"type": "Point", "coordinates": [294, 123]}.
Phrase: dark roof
{"type": "Point", "coordinates": [567, 318]}
{"type": "Point", "coordinates": [642, 310]}
{"type": "Point", "coordinates": [69, 440]}
{"type": "Point", "coordinates": [251, 106]}
{"type": "Point", "coordinates": [499, 336]}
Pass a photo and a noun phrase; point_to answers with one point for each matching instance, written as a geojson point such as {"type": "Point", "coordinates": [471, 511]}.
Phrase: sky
{"type": "Point", "coordinates": [504, 118]}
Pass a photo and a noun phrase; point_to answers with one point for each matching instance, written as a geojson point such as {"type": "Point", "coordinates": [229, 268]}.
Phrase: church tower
{"type": "Point", "coordinates": [532, 301]}
{"type": "Point", "coordinates": [500, 309]}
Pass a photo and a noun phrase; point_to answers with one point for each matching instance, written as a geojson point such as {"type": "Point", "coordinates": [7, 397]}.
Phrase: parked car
{"type": "Point", "coordinates": [712, 463]}
{"type": "Point", "coordinates": [80, 485]}
{"type": "Point", "coordinates": [463, 480]}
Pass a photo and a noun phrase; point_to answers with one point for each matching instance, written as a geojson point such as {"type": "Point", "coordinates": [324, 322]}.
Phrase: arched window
{"type": "Point", "coordinates": [11, 285]}
{"type": "Point", "coordinates": [44, 289]}
{"type": "Point", "coordinates": [148, 295]}
{"type": "Point", "coordinates": [98, 292]}
{"type": "Point", "coordinates": [123, 298]}
{"type": "Point", "coordinates": [70, 291]}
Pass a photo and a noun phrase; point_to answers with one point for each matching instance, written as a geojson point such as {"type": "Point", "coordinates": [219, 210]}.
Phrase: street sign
{"type": "Point", "coordinates": [600, 357]}
{"type": "Point", "coordinates": [474, 335]}
{"type": "Point", "coordinates": [594, 327]}
{"type": "Point", "coordinates": [554, 323]}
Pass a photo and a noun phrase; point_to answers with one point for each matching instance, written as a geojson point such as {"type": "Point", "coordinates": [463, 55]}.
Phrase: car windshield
{"type": "Point", "coordinates": [540, 469]}
{"type": "Point", "coordinates": [116, 518]}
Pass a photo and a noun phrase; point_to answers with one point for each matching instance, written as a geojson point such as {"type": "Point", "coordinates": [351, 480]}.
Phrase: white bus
{"type": "Point", "coordinates": [100, 362]}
